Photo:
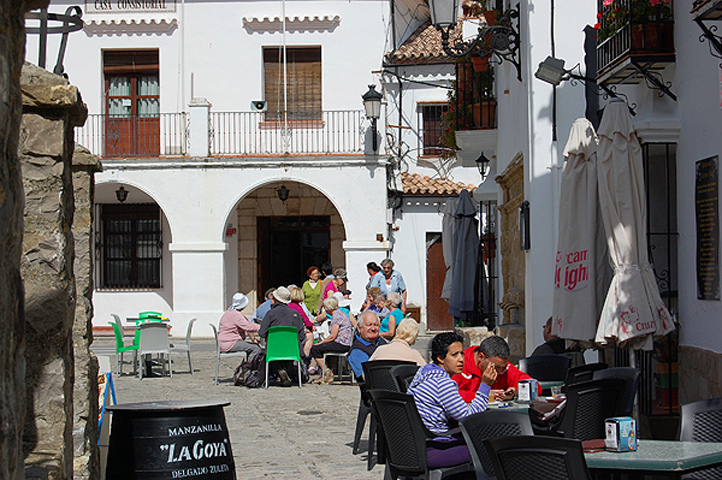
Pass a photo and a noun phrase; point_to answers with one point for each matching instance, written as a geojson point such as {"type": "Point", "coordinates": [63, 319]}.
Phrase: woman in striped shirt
{"type": "Point", "coordinates": [437, 399]}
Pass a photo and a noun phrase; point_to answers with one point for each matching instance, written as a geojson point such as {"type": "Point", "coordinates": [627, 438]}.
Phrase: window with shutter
{"type": "Point", "coordinates": [303, 83]}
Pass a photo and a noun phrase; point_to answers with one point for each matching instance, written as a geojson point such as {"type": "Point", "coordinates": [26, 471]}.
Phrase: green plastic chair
{"type": "Point", "coordinates": [121, 347]}
{"type": "Point", "coordinates": [282, 344]}
{"type": "Point", "coordinates": [150, 316]}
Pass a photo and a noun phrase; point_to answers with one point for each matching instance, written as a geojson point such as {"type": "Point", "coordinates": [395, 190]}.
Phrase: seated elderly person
{"type": "Point", "coordinates": [400, 346]}
{"type": "Point", "coordinates": [437, 399]}
{"type": "Point", "coordinates": [234, 328]}
{"type": "Point", "coordinates": [365, 342]}
{"type": "Point", "coordinates": [297, 299]}
{"type": "Point", "coordinates": [389, 322]}
{"type": "Point", "coordinates": [338, 340]}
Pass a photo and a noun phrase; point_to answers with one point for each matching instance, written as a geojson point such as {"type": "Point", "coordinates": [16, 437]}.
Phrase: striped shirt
{"type": "Point", "coordinates": [437, 398]}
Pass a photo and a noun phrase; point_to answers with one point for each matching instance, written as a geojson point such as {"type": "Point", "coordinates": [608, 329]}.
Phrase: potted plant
{"type": "Point", "coordinates": [650, 20]}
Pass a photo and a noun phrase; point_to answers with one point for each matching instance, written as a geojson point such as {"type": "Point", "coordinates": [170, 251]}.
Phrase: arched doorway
{"type": "Point", "coordinates": [278, 240]}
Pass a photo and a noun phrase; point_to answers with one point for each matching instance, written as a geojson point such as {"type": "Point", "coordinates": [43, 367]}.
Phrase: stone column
{"type": "Point", "coordinates": [12, 339]}
{"type": "Point", "coordinates": [51, 108]}
{"type": "Point", "coordinates": [86, 463]}
{"type": "Point", "coordinates": [513, 259]}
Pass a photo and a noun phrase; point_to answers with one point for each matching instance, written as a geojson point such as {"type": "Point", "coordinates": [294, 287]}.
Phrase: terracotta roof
{"type": "Point", "coordinates": [423, 46]}
{"type": "Point", "coordinates": [415, 184]}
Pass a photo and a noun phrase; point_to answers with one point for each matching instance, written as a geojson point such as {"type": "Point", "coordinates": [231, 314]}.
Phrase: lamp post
{"type": "Point", "coordinates": [501, 39]}
{"type": "Point", "coordinates": [372, 104]}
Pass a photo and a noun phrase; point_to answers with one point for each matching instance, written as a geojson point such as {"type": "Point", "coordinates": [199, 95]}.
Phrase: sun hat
{"type": "Point", "coordinates": [282, 295]}
{"type": "Point", "coordinates": [239, 301]}
{"type": "Point", "coordinates": [342, 301]}
{"type": "Point", "coordinates": [340, 273]}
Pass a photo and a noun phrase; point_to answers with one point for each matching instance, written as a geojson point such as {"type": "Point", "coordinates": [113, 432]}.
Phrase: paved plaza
{"type": "Point", "coordinates": [289, 433]}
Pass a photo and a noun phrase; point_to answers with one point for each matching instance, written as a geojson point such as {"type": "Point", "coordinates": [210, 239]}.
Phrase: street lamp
{"type": "Point", "coordinates": [482, 163]}
{"type": "Point", "coordinates": [372, 104]}
{"type": "Point", "coordinates": [121, 194]}
{"type": "Point", "coordinates": [501, 39]}
{"type": "Point", "coordinates": [551, 71]}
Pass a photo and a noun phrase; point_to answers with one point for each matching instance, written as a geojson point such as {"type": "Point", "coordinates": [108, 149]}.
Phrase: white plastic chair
{"type": "Point", "coordinates": [220, 354]}
{"type": "Point", "coordinates": [187, 346]}
{"type": "Point", "coordinates": [154, 341]}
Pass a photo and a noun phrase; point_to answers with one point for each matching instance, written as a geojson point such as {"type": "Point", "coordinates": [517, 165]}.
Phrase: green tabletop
{"type": "Point", "coordinates": [509, 406]}
{"type": "Point", "coordinates": [665, 457]}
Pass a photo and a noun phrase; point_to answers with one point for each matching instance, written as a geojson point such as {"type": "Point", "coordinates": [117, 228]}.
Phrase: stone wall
{"type": "Point", "coordinates": [264, 202]}
{"type": "Point", "coordinates": [86, 463]}
{"type": "Point", "coordinates": [51, 108]}
{"type": "Point", "coordinates": [12, 340]}
{"type": "Point", "coordinates": [699, 374]}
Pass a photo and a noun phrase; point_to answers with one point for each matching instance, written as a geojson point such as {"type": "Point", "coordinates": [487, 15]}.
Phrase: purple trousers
{"type": "Point", "coordinates": [446, 453]}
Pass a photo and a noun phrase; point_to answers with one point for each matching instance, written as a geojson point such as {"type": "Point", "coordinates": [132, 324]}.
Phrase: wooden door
{"type": "Point", "coordinates": [437, 308]}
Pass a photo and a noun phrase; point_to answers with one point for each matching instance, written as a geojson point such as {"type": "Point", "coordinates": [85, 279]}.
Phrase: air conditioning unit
{"type": "Point", "coordinates": [259, 105]}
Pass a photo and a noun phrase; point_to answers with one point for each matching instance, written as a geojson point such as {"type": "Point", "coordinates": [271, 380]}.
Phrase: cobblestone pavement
{"type": "Point", "coordinates": [289, 433]}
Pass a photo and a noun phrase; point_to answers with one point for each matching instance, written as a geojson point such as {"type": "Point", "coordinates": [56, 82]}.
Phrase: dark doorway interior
{"type": "Point", "coordinates": [287, 246]}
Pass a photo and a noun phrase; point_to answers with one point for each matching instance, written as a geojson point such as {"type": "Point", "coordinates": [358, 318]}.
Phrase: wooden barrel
{"type": "Point", "coordinates": [170, 440]}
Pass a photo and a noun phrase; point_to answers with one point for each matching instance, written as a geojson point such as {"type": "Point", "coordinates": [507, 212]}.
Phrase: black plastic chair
{"type": "Point", "coordinates": [627, 373]}
{"type": "Point", "coordinates": [406, 436]}
{"type": "Point", "coordinates": [583, 373]}
{"type": "Point", "coordinates": [403, 374]}
{"type": "Point", "coordinates": [538, 458]}
{"type": "Point", "coordinates": [588, 405]}
{"type": "Point", "coordinates": [546, 368]}
{"type": "Point", "coordinates": [702, 422]}
{"type": "Point", "coordinates": [377, 376]}
{"type": "Point", "coordinates": [491, 424]}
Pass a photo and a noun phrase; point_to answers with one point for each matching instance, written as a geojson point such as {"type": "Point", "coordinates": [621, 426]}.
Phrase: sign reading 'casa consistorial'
{"type": "Point", "coordinates": [129, 6]}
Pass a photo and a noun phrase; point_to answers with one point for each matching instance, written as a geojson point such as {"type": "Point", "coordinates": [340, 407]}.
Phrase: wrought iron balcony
{"type": "Point", "coordinates": [273, 133]}
{"type": "Point", "coordinates": [635, 42]}
{"type": "Point", "coordinates": [230, 133]}
{"type": "Point", "coordinates": [113, 136]}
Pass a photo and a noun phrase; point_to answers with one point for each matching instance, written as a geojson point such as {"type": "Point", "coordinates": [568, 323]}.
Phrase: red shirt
{"type": "Point", "coordinates": [470, 378]}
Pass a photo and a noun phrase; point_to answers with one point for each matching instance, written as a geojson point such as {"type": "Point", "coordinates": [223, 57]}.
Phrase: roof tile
{"type": "Point", "coordinates": [415, 184]}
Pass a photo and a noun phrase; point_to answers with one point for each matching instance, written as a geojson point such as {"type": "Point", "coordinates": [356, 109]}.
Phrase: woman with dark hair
{"type": "Point", "coordinates": [438, 401]}
{"type": "Point", "coordinates": [311, 289]}
{"type": "Point", "coordinates": [373, 269]}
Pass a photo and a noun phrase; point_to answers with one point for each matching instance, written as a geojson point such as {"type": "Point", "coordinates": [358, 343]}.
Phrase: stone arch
{"type": "Point", "coordinates": [244, 262]}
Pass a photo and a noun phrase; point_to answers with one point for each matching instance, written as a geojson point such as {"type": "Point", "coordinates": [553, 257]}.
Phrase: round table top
{"type": "Point", "coordinates": [165, 406]}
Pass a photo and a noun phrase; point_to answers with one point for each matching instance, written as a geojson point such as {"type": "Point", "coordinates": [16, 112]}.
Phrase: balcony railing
{"type": "Point", "coordinates": [263, 133]}
{"type": "Point", "coordinates": [633, 28]}
{"type": "Point", "coordinates": [109, 136]}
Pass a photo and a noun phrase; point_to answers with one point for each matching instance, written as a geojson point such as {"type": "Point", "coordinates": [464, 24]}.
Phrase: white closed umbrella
{"type": "Point", "coordinates": [633, 313]}
{"type": "Point", "coordinates": [582, 272]}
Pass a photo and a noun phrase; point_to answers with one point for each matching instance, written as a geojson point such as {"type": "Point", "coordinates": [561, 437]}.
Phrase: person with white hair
{"type": "Point", "coordinates": [365, 343]}
{"type": "Point", "coordinates": [400, 346]}
{"type": "Point", "coordinates": [393, 318]}
{"type": "Point", "coordinates": [338, 340]}
{"type": "Point", "coordinates": [390, 281]}
{"type": "Point", "coordinates": [234, 328]}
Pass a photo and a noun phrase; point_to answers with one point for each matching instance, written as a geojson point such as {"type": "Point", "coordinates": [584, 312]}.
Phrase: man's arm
{"type": "Point", "coordinates": [355, 358]}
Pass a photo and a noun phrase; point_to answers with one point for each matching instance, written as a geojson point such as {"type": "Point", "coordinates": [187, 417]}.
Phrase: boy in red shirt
{"type": "Point", "coordinates": [496, 351]}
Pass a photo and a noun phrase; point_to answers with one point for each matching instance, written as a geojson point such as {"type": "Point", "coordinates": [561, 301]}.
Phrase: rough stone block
{"type": "Point", "coordinates": [473, 335]}
{"type": "Point", "coordinates": [42, 136]}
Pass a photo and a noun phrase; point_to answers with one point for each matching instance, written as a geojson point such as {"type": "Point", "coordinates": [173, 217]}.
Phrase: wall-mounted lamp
{"type": "Point", "coordinates": [282, 193]}
{"type": "Point", "coordinates": [482, 163]}
{"type": "Point", "coordinates": [121, 194]}
{"type": "Point", "coordinates": [501, 39]}
{"type": "Point", "coordinates": [524, 223]}
{"type": "Point", "coordinates": [372, 104]}
{"type": "Point", "coordinates": [551, 71]}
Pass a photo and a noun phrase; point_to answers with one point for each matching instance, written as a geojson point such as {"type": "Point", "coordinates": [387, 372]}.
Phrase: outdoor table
{"type": "Point", "coordinates": [546, 386]}
{"type": "Point", "coordinates": [668, 458]}
{"type": "Point", "coordinates": [509, 406]}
